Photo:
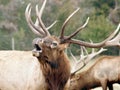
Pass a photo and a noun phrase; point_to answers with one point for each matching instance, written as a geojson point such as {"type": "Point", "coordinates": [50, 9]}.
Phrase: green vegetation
{"type": "Point", "coordinates": [13, 23]}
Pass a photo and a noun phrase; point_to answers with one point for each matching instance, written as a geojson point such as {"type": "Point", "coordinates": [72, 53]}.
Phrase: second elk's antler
{"type": "Point", "coordinates": [85, 57]}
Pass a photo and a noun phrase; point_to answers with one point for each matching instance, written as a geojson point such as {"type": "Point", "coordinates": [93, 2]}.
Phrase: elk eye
{"type": "Point", "coordinates": [54, 44]}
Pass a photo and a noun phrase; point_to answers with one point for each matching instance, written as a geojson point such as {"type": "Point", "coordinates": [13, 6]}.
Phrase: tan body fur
{"type": "Point", "coordinates": [19, 70]}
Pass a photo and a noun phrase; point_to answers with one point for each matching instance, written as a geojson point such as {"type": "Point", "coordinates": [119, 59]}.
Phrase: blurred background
{"type": "Point", "coordinates": [16, 35]}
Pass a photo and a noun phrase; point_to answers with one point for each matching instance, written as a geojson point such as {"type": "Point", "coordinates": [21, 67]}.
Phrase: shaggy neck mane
{"type": "Point", "coordinates": [56, 73]}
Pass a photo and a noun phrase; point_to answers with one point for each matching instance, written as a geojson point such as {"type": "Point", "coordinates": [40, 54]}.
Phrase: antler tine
{"type": "Point", "coordinates": [52, 25]}
{"type": "Point", "coordinates": [93, 49]}
{"type": "Point", "coordinates": [40, 20]}
{"type": "Point", "coordinates": [40, 15]}
{"type": "Point", "coordinates": [38, 27]}
{"type": "Point", "coordinates": [42, 8]}
{"type": "Point", "coordinates": [82, 55]}
{"type": "Point", "coordinates": [93, 54]}
{"type": "Point", "coordinates": [114, 41]}
{"type": "Point", "coordinates": [78, 30]}
{"type": "Point", "coordinates": [65, 23]}
{"type": "Point", "coordinates": [82, 52]}
{"type": "Point", "coordinates": [77, 62]}
{"type": "Point", "coordinates": [74, 58]}
{"type": "Point", "coordinates": [85, 50]}
{"type": "Point", "coordinates": [113, 34]}
{"type": "Point", "coordinates": [85, 60]}
{"type": "Point", "coordinates": [40, 12]}
{"type": "Point", "coordinates": [97, 45]}
{"type": "Point", "coordinates": [100, 51]}
{"type": "Point", "coordinates": [35, 29]}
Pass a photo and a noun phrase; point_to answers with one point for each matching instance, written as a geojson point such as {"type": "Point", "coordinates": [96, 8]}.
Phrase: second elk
{"type": "Point", "coordinates": [105, 72]}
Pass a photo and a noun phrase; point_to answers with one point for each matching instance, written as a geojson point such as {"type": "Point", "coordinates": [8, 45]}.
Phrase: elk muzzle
{"type": "Point", "coordinates": [37, 51]}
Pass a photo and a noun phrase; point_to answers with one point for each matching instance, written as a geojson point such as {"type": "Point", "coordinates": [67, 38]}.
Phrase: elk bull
{"type": "Point", "coordinates": [105, 72]}
{"type": "Point", "coordinates": [49, 49]}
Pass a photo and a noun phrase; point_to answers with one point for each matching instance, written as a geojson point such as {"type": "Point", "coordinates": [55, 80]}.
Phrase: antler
{"type": "Point", "coordinates": [38, 27]}
{"type": "Point", "coordinates": [65, 38]}
{"type": "Point", "coordinates": [84, 58]}
{"type": "Point", "coordinates": [110, 41]}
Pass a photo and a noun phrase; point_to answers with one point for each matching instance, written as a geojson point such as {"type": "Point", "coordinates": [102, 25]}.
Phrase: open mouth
{"type": "Point", "coordinates": [36, 52]}
{"type": "Point", "coordinates": [38, 48]}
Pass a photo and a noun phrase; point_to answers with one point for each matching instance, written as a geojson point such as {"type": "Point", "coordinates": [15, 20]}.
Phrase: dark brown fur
{"type": "Point", "coordinates": [105, 72]}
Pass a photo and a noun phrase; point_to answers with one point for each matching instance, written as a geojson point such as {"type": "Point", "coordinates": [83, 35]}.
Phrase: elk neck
{"type": "Point", "coordinates": [55, 71]}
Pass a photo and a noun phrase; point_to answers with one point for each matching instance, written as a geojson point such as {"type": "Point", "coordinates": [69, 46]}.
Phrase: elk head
{"type": "Point", "coordinates": [49, 49]}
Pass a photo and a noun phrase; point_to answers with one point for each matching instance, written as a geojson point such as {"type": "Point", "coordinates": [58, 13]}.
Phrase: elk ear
{"type": "Point", "coordinates": [63, 46]}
